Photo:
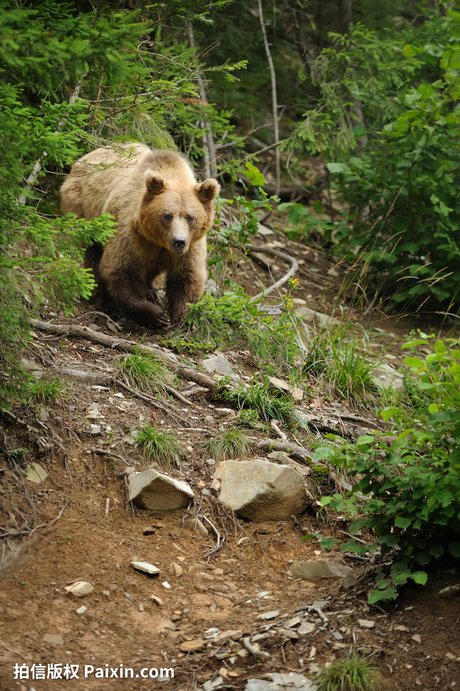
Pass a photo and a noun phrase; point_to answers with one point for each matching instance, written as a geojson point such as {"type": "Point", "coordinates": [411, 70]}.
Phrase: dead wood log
{"type": "Point", "coordinates": [166, 357]}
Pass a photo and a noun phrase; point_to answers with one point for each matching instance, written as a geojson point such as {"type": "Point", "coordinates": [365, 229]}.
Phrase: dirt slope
{"type": "Point", "coordinates": [415, 644]}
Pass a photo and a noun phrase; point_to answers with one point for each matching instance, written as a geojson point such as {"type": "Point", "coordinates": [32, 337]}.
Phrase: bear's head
{"type": "Point", "coordinates": [175, 215]}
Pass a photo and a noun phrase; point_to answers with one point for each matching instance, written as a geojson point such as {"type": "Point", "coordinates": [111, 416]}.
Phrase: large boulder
{"type": "Point", "coordinates": [156, 491]}
{"type": "Point", "coordinates": [261, 491]}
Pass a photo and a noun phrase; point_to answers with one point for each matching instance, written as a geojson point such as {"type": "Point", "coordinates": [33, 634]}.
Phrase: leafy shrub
{"type": "Point", "coordinates": [257, 397]}
{"type": "Point", "coordinates": [387, 136]}
{"type": "Point", "coordinates": [407, 488]}
{"type": "Point", "coordinates": [235, 319]}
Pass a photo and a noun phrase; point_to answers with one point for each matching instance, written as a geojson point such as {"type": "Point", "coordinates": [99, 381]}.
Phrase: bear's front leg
{"type": "Point", "coordinates": [185, 281]}
{"type": "Point", "coordinates": [129, 294]}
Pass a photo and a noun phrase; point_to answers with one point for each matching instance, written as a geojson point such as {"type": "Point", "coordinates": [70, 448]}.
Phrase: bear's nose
{"type": "Point", "coordinates": [178, 243]}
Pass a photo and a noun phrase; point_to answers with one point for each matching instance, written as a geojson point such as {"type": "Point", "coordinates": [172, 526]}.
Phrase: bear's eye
{"type": "Point", "coordinates": [189, 218]}
{"type": "Point", "coordinates": [168, 217]}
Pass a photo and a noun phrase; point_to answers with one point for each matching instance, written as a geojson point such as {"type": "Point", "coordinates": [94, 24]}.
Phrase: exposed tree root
{"type": "Point", "coordinates": [284, 279]}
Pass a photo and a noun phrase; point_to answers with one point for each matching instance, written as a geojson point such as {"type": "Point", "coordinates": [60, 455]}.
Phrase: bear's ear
{"type": "Point", "coordinates": [207, 190]}
{"type": "Point", "coordinates": [154, 184]}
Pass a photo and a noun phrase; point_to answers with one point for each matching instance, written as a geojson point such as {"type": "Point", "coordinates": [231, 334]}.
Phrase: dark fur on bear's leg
{"type": "Point", "coordinates": [128, 294]}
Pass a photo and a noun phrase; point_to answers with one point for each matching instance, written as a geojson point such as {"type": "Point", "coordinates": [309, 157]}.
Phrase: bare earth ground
{"type": "Point", "coordinates": [415, 644]}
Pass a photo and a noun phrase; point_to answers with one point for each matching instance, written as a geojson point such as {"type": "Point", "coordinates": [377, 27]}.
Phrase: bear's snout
{"type": "Point", "coordinates": [179, 245]}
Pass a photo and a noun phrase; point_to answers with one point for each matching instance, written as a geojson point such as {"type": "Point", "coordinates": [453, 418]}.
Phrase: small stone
{"type": "Point", "coordinates": [217, 364]}
{"type": "Point", "coordinates": [36, 473]}
{"type": "Point", "coordinates": [295, 621]}
{"type": "Point", "coordinates": [416, 638]}
{"type": "Point", "coordinates": [79, 588]}
{"type": "Point", "coordinates": [277, 384]}
{"type": "Point", "coordinates": [450, 590]}
{"type": "Point", "coordinates": [317, 569]}
{"type": "Point", "coordinates": [191, 646]}
{"type": "Point", "coordinates": [95, 429]}
{"type": "Point", "coordinates": [400, 627]}
{"type": "Point", "coordinates": [93, 412]}
{"type": "Point", "coordinates": [106, 593]}
{"type": "Point", "coordinates": [158, 492]}
{"type": "Point", "coordinates": [166, 585]}
{"type": "Point", "coordinates": [43, 414]}
{"type": "Point", "coordinates": [266, 616]}
{"type": "Point", "coordinates": [177, 569]}
{"type": "Point", "coordinates": [157, 600]}
{"type": "Point", "coordinates": [145, 567]}
{"type": "Point", "coordinates": [53, 639]}
{"type": "Point", "coordinates": [81, 610]}
{"type": "Point", "coordinates": [306, 627]}
{"type": "Point", "coordinates": [231, 634]}
{"type": "Point", "coordinates": [366, 623]}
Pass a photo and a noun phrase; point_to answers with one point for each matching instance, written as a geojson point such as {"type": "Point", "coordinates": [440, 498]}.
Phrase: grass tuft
{"type": "Point", "coordinates": [231, 443]}
{"type": "Point", "coordinates": [44, 390]}
{"type": "Point", "coordinates": [256, 397]}
{"type": "Point", "coordinates": [350, 674]}
{"type": "Point", "coordinates": [159, 446]}
{"type": "Point", "coordinates": [336, 361]}
{"type": "Point", "coordinates": [145, 372]}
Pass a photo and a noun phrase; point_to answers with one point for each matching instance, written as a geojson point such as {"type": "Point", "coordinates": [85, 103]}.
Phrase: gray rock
{"type": "Point", "coordinates": [310, 315]}
{"type": "Point", "coordinates": [145, 567]}
{"type": "Point", "coordinates": [36, 473]}
{"type": "Point", "coordinates": [386, 377]}
{"type": "Point", "coordinates": [280, 682]}
{"type": "Point", "coordinates": [276, 384]}
{"type": "Point", "coordinates": [158, 492]}
{"type": "Point", "coordinates": [261, 491]}
{"type": "Point", "coordinates": [317, 569]}
{"type": "Point", "coordinates": [217, 364]}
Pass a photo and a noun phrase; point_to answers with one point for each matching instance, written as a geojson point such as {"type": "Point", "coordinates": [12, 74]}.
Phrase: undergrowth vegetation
{"type": "Point", "coordinates": [348, 674]}
{"type": "Point", "coordinates": [406, 487]}
{"type": "Point", "coordinates": [230, 443]}
{"type": "Point", "coordinates": [386, 135]}
{"type": "Point", "coordinates": [158, 446]}
{"type": "Point", "coordinates": [145, 372]}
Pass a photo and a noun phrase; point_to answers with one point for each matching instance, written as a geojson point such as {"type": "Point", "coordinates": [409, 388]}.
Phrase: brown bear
{"type": "Point", "coordinates": [163, 215]}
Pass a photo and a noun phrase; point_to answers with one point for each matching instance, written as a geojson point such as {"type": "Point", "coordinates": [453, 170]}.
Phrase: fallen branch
{"type": "Point", "coordinates": [284, 279]}
{"type": "Point", "coordinates": [166, 357]}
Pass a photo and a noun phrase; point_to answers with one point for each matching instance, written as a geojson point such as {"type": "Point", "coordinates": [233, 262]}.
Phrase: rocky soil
{"type": "Point", "coordinates": [237, 594]}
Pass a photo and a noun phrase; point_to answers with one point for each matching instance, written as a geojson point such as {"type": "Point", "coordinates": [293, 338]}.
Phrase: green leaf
{"type": "Point", "coordinates": [255, 177]}
{"type": "Point", "coordinates": [454, 549]}
{"type": "Point", "coordinates": [337, 167]}
{"type": "Point", "coordinates": [420, 577]}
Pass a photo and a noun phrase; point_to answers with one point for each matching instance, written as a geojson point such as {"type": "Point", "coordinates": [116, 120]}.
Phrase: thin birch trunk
{"type": "Point", "coordinates": [274, 97]}
{"type": "Point", "coordinates": [35, 172]}
{"type": "Point", "coordinates": [208, 137]}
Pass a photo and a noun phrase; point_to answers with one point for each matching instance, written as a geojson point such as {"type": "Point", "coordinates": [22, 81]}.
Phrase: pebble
{"type": "Point", "coordinates": [265, 616]}
{"type": "Point", "coordinates": [190, 646]}
{"type": "Point", "coordinates": [145, 567]}
{"type": "Point", "coordinates": [366, 623]}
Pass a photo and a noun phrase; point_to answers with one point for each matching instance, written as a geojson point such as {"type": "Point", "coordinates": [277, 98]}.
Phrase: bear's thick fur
{"type": "Point", "coordinates": [163, 215]}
